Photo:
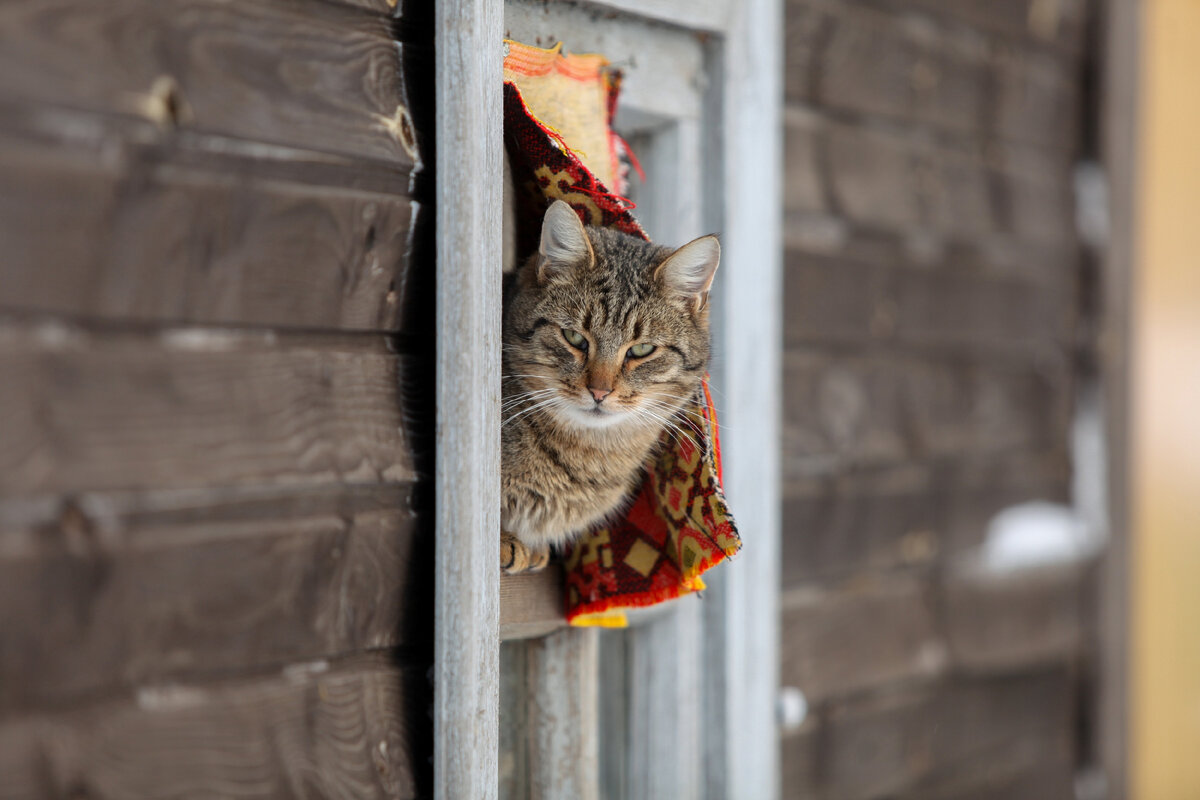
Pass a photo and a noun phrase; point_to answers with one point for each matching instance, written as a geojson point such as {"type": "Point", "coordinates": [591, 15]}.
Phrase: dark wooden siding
{"type": "Point", "coordinates": [930, 315]}
{"type": "Point", "coordinates": [215, 359]}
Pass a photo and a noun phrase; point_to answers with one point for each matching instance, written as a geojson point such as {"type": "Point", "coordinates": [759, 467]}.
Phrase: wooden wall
{"type": "Point", "coordinates": [215, 554]}
{"type": "Point", "coordinates": [931, 295]}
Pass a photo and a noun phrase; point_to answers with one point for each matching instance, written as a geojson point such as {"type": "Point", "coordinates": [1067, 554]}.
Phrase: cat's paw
{"type": "Point", "coordinates": [539, 558]}
{"type": "Point", "coordinates": [516, 557]}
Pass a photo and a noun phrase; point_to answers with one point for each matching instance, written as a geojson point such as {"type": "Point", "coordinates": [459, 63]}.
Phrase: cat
{"type": "Point", "coordinates": [606, 339]}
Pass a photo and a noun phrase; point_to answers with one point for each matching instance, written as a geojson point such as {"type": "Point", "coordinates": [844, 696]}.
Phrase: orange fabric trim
{"type": "Point", "coordinates": [524, 59]}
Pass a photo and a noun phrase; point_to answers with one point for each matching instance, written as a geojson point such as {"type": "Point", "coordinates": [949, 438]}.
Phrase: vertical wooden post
{"type": "Point", "coordinates": [742, 606]}
{"type": "Point", "coordinates": [563, 724]}
{"type": "Point", "coordinates": [1122, 33]}
{"type": "Point", "coordinates": [469, 246]}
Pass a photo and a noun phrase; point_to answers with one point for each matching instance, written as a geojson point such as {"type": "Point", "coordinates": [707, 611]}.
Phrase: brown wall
{"type": "Point", "coordinates": [214, 563]}
{"type": "Point", "coordinates": [930, 308]}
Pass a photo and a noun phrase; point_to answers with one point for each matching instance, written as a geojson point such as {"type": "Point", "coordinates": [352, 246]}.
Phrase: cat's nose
{"type": "Point", "coordinates": [599, 394]}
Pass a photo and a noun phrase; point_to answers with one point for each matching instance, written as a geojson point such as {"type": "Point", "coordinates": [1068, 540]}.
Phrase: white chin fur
{"type": "Point", "coordinates": [590, 419]}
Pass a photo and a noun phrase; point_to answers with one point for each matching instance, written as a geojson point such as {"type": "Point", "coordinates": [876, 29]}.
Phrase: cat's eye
{"type": "Point", "coordinates": [575, 338]}
{"type": "Point", "coordinates": [640, 350]}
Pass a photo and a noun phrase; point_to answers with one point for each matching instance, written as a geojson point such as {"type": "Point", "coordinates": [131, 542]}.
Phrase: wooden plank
{"type": "Point", "coordinates": [89, 410]}
{"type": "Point", "coordinates": [841, 525]}
{"type": "Point", "coordinates": [840, 301]}
{"type": "Point", "coordinates": [1120, 132]}
{"type": "Point", "coordinates": [860, 59]}
{"type": "Point", "coordinates": [150, 239]}
{"type": "Point", "coordinates": [1010, 620]}
{"type": "Point", "coordinates": [89, 606]}
{"type": "Point", "coordinates": [799, 760]}
{"type": "Point", "coordinates": [907, 182]}
{"type": "Point", "coordinates": [532, 604]}
{"type": "Point", "coordinates": [563, 721]}
{"type": "Point", "coordinates": [866, 520]}
{"type": "Point", "coordinates": [466, 481]}
{"type": "Point", "coordinates": [869, 633]}
{"type": "Point", "coordinates": [306, 74]}
{"type": "Point", "coordinates": [886, 408]}
{"type": "Point", "coordinates": [350, 730]}
{"type": "Point", "coordinates": [885, 744]}
{"type": "Point", "coordinates": [740, 628]}
{"type": "Point", "coordinates": [1056, 25]}
{"type": "Point", "coordinates": [1005, 776]}
{"type": "Point", "coordinates": [705, 15]}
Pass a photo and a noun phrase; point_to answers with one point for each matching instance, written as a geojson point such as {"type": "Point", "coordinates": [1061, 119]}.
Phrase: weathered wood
{"type": "Point", "coordinates": [860, 59]}
{"type": "Point", "coordinates": [151, 239]}
{"type": "Point", "coordinates": [1121, 76]}
{"type": "Point", "coordinates": [1057, 25]}
{"type": "Point", "coordinates": [88, 410]}
{"type": "Point", "coordinates": [866, 520]}
{"type": "Point", "coordinates": [740, 675]}
{"type": "Point", "coordinates": [350, 730]}
{"type": "Point", "coordinates": [307, 74]}
{"type": "Point", "coordinates": [841, 301]}
{"type": "Point", "coordinates": [1013, 619]}
{"type": "Point", "coordinates": [563, 716]}
{"type": "Point", "coordinates": [904, 181]}
{"type": "Point", "coordinates": [89, 605]}
{"type": "Point", "coordinates": [799, 761]}
{"type": "Point", "coordinates": [1020, 775]}
{"type": "Point", "coordinates": [888, 408]}
{"type": "Point", "coordinates": [842, 525]}
{"type": "Point", "coordinates": [532, 604]}
{"type": "Point", "coordinates": [470, 244]}
{"type": "Point", "coordinates": [865, 634]}
{"type": "Point", "coordinates": [882, 745]}
{"type": "Point", "coordinates": [662, 737]}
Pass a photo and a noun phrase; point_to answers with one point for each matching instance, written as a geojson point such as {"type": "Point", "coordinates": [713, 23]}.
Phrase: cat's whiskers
{"type": "Point", "coordinates": [525, 397]}
{"type": "Point", "coordinates": [539, 406]}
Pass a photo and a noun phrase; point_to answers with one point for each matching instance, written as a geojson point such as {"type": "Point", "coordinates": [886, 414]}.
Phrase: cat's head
{"type": "Point", "coordinates": [606, 329]}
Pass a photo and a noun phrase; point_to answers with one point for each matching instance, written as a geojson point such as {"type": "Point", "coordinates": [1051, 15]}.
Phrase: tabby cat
{"type": "Point", "coordinates": [606, 339]}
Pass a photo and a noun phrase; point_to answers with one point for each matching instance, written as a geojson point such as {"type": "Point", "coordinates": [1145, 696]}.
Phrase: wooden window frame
{"type": "Point", "coordinates": [731, 638]}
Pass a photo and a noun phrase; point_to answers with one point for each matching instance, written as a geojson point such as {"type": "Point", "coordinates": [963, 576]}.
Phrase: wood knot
{"type": "Point", "coordinates": [400, 125]}
{"type": "Point", "coordinates": [164, 104]}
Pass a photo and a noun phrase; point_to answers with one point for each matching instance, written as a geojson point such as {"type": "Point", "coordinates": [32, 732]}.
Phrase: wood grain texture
{"type": "Point", "coordinates": [888, 408]}
{"type": "Point", "coordinates": [95, 605]}
{"type": "Point", "coordinates": [1011, 620]}
{"type": "Point", "coordinates": [859, 58]}
{"type": "Point", "coordinates": [563, 720]}
{"type": "Point", "coordinates": [909, 515]}
{"type": "Point", "coordinates": [882, 745]}
{"type": "Point", "coordinates": [866, 634]}
{"type": "Point", "coordinates": [470, 244]}
{"type": "Point", "coordinates": [314, 731]}
{"type": "Point", "coordinates": [532, 604]}
{"type": "Point", "coordinates": [842, 301]}
{"type": "Point", "coordinates": [192, 408]}
{"type": "Point", "coordinates": [1059, 25]}
{"type": "Point", "coordinates": [151, 237]}
{"type": "Point", "coordinates": [909, 182]}
{"type": "Point", "coordinates": [306, 74]}
{"type": "Point", "coordinates": [1120, 138]}
{"type": "Point", "coordinates": [740, 624]}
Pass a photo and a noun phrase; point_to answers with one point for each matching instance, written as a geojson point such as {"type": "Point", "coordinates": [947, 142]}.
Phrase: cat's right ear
{"type": "Point", "coordinates": [565, 244]}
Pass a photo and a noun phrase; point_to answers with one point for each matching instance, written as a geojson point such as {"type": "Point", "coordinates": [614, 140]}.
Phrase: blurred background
{"type": "Point", "coordinates": [216, 222]}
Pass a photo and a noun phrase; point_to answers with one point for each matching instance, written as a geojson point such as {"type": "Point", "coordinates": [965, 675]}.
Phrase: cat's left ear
{"type": "Point", "coordinates": [564, 244]}
{"type": "Point", "coordinates": [689, 270]}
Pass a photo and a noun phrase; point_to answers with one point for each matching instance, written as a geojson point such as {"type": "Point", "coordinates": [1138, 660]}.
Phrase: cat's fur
{"type": "Point", "coordinates": [580, 421]}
